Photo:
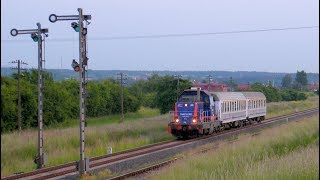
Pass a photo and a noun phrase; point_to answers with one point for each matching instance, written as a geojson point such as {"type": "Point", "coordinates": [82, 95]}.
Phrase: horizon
{"type": "Point", "coordinates": [173, 70]}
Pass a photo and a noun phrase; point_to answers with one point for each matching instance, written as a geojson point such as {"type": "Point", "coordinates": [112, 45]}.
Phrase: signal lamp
{"type": "Point", "coordinates": [34, 37]}
{"type": "Point", "coordinates": [75, 66]}
{"type": "Point", "coordinates": [84, 31]}
{"type": "Point", "coordinates": [194, 120]}
{"type": "Point", "coordinates": [177, 120]}
{"type": "Point", "coordinates": [75, 26]}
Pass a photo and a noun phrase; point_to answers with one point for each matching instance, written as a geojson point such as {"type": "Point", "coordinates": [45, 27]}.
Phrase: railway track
{"type": "Point", "coordinates": [96, 163]}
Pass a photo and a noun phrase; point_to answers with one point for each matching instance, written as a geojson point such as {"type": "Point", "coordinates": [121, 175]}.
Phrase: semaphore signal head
{"type": "Point", "coordinates": [75, 66]}
{"type": "Point", "coordinates": [34, 37]}
{"type": "Point", "coordinates": [75, 26]}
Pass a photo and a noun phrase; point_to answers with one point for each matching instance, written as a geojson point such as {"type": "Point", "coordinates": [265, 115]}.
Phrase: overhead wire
{"type": "Point", "coordinates": [180, 35]}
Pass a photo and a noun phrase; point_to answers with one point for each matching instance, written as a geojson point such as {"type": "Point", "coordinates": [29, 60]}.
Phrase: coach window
{"type": "Point", "coordinates": [236, 104]}
{"type": "Point", "coordinates": [238, 107]}
{"type": "Point", "coordinates": [233, 107]}
{"type": "Point", "coordinates": [227, 108]}
{"type": "Point", "coordinates": [226, 103]}
{"type": "Point", "coordinates": [260, 103]}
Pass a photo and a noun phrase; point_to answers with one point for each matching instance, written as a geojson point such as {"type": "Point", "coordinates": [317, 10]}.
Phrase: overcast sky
{"type": "Point", "coordinates": [271, 51]}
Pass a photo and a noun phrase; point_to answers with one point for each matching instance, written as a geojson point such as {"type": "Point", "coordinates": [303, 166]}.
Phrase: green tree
{"type": "Point", "coordinates": [301, 80]}
{"type": "Point", "coordinates": [8, 104]}
{"type": "Point", "coordinates": [272, 94]}
{"type": "Point", "coordinates": [166, 92]}
{"type": "Point", "coordinates": [286, 81]}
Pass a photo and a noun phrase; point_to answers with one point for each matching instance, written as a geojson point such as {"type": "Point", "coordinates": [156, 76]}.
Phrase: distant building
{"type": "Point", "coordinates": [242, 87]}
{"type": "Point", "coordinates": [216, 87]}
{"type": "Point", "coordinates": [313, 87]}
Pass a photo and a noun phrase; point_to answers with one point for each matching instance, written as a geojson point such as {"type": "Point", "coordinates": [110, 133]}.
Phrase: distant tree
{"type": "Point", "coordinates": [286, 81]}
{"type": "Point", "coordinates": [301, 80]}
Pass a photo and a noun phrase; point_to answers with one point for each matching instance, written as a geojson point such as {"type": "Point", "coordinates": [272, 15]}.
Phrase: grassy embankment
{"type": "Point", "coordinates": [289, 151]}
{"type": "Point", "coordinates": [61, 143]}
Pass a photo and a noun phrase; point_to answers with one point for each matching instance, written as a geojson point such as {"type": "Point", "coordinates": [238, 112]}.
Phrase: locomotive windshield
{"type": "Point", "coordinates": [188, 98]}
{"type": "Point", "coordinates": [191, 96]}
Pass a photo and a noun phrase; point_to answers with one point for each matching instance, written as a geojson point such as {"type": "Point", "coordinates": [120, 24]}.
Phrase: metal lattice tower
{"type": "Point", "coordinates": [19, 62]}
{"type": "Point", "coordinates": [122, 80]}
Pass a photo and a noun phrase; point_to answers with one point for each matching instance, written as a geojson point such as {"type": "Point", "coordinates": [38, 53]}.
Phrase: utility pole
{"type": "Point", "coordinates": [37, 35]}
{"type": "Point", "coordinates": [121, 78]}
{"type": "Point", "coordinates": [209, 81]}
{"type": "Point", "coordinates": [178, 85]}
{"type": "Point", "coordinates": [81, 27]}
{"type": "Point", "coordinates": [19, 62]}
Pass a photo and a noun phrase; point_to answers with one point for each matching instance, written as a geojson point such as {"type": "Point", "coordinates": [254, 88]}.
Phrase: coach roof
{"type": "Point", "coordinates": [224, 96]}
{"type": "Point", "coordinates": [254, 95]}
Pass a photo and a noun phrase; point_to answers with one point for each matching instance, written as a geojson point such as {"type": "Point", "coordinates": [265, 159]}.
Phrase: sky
{"type": "Point", "coordinates": [267, 51]}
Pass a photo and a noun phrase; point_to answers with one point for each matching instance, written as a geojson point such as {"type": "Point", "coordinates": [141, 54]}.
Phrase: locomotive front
{"type": "Point", "coordinates": [187, 118]}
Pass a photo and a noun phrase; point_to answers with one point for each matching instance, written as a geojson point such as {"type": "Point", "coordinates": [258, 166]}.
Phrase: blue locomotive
{"type": "Point", "coordinates": [200, 112]}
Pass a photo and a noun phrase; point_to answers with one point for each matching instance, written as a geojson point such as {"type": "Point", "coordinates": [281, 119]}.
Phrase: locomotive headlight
{"type": "Point", "coordinates": [177, 120]}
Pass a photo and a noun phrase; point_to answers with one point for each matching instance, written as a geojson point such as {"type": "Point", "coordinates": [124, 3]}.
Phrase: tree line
{"type": "Point", "coordinates": [61, 98]}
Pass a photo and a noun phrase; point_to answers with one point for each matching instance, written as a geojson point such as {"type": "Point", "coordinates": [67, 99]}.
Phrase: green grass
{"type": "Point", "coordinates": [62, 145]}
{"type": "Point", "coordinates": [61, 142]}
{"type": "Point", "coordinates": [290, 151]}
{"type": "Point", "coordinates": [280, 108]}
{"type": "Point", "coordinates": [97, 121]}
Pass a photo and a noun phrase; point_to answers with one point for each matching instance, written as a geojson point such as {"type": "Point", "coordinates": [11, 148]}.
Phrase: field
{"type": "Point", "coordinates": [61, 143]}
{"type": "Point", "coordinates": [289, 151]}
